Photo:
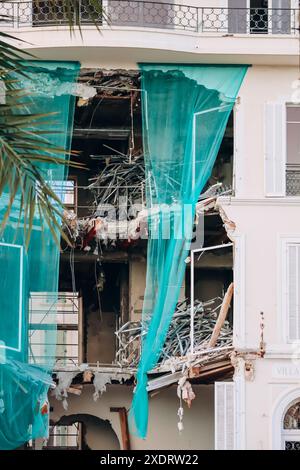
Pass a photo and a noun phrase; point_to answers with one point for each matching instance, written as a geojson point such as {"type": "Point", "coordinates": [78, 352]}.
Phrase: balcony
{"type": "Point", "coordinates": [151, 14]}
{"type": "Point", "coordinates": [293, 180]}
{"type": "Point", "coordinates": [136, 31]}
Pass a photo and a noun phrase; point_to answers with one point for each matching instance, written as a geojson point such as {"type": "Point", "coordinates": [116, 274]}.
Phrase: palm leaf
{"type": "Point", "coordinates": [23, 140]}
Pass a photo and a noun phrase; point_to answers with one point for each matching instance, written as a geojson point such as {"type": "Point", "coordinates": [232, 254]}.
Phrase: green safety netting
{"type": "Point", "coordinates": [185, 113]}
{"type": "Point", "coordinates": [28, 340]}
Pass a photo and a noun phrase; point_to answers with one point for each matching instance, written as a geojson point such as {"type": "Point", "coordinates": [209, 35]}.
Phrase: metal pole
{"type": "Point", "coordinates": [192, 303]}
{"type": "Point", "coordinates": [216, 247]}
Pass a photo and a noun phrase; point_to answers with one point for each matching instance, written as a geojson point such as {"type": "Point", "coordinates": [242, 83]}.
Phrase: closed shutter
{"type": "Point", "coordinates": [7, 14]}
{"type": "Point", "coordinates": [275, 149]}
{"type": "Point", "coordinates": [224, 415]}
{"type": "Point", "coordinates": [237, 16]}
{"type": "Point", "coordinates": [281, 16]}
{"type": "Point", "coordinates": [293, 271]}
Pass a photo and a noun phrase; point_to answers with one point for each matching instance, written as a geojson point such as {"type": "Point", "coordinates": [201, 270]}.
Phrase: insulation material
{"type": "Point", "coordinates": [64, 382]}
{"type": "Point", "coordinates": [132, 225]}
{"type": "Point", "coordinates": [185, 113]}
{"type": "Point", "coordinates": [100, 382]}
{"type": "Point", "coordinates": [185, 391]}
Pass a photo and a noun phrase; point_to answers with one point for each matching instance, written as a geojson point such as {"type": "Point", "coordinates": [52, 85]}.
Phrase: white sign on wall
{"type": "Point", "coordinates": [286, 371]}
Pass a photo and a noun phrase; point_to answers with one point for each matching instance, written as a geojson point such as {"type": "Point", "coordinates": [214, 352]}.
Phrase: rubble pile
{"type": "Point", "coordinates": [178, 341]}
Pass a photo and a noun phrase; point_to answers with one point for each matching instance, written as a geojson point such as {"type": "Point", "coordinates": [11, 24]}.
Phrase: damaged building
{"type": "Point", "coordinates": [226, 374]}
{"type": "Point", "coordinates": [102, 277]}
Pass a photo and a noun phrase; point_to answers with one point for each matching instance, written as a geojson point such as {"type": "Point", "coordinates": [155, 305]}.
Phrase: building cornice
{"type": "Point", "coordinates": [271, 201]}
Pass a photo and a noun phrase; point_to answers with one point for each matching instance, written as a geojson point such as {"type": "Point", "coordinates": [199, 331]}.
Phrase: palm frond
{"type": "Point", "coordinates": [23, 136]}
{"type": "Point", "coordinates": [24, 145]}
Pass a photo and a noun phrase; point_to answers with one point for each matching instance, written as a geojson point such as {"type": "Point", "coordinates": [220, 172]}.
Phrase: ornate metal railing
{"type": "Point", "coordinates": [151, 14]}
{"type": "Point", "coordinates": [293, 180]}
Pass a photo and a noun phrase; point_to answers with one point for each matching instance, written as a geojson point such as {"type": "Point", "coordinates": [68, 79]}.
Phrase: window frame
{"type": "Point", "coordinates": [287, 164]}
{"type": "Point", "coordinates": [21, 300]}
{"type": "Point", "coordinates": [70, 298]}
{"type": "Point", "coordinates": [283, 324]}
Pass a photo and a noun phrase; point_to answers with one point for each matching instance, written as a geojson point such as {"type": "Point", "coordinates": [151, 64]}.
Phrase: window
{"type": "Point", "coordinates": [291, 428]}
{"type": "Point", "coordinates": [293, 291]}
{"type": "Point", "coordinates": [293, 151]}
{"type": "Point", "coordinates": [67, 192]}
{"type": "Point", "coordinates": [259, 16]}
{"type": "Point", "coordinates": [67, 437]}
{"type": "Point", "coordinates": [64, 312]}
{"type": "Point", "coordinates": [281, 15]}
{"type": "Point", "coordinates": [282, 149]}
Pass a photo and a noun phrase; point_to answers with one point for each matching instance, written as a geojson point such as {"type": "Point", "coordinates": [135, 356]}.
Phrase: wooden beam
{"type": "Point", "coordinates": [222, 317]}
{"type": "Point", "coordinates": [124, 426]}
{"type": "Point", "coordinates": [206, 373]}
{"type": "Point", "coordinates": [195, 371]}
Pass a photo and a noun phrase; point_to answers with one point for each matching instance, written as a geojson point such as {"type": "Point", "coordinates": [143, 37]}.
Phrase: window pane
{"type": "Point", "coordinates": [293, 113]}
{"type": "Point", "coordinates": [65, 190]}
{"type": "Point", "coordinates": [293, 135]}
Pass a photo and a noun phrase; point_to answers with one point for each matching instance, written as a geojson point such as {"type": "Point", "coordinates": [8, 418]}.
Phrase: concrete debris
{"type": "Point", "coordinates": [119, 213]}
{"type": "Point", "coordinates": [87, 231]}
{"type": "Point", "coordinates": [111, 83]}
{"type": "Point", "coordinates": [55, 87]}
{"type": "Point", "coordinates": [85, 92]}
{"type": "Point", "coordinates": [229, 225]}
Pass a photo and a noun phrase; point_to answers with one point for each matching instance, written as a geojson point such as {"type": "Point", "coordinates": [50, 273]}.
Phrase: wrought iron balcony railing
{"type": "Point", "coordinates": [293, 180]}
{"type": "Point", "coordinates": [151, 14]}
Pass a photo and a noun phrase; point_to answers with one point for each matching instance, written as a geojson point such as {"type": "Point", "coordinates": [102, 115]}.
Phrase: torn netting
{"type": "Point", "coordinates": [185, 113]}
{"type": "Point", "coordinates": [28, 343]}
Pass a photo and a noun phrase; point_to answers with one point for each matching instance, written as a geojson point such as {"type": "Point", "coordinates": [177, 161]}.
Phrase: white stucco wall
{"type": "Point", "coordinates": [162, 432]}
{"type": "Point", "coordinates": [261, 85]}
{"type": "Point", "coordinates": [261, 225]}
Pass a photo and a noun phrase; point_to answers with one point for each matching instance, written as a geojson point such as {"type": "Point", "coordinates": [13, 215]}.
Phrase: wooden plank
{"type": "Point", "coordinates": [196, 370]}
{"type": "Point", "coordinates": [222, 317]}
{"type": "Point", "coordinates": [124, 426]}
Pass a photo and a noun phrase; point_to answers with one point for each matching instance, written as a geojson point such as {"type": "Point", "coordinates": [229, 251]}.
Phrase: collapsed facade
{"type": "Point", "coordinates": [104, 274]}
{"type": "Point", "coordinates": [228, 374]}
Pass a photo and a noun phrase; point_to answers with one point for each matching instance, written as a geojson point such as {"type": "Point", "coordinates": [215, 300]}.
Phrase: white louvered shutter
{"type": "Point", "coordinates": [275, 149]}
{"type": "Point", "coordinates": [224, 415]}
{"type": "Point", "coordinates": [293, 292]}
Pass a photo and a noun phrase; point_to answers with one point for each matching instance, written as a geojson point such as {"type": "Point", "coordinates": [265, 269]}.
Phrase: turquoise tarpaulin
{"type": "Point", "coordinates": [25, 369]}
{"type": "Point", "coordinates": [185, 113]}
